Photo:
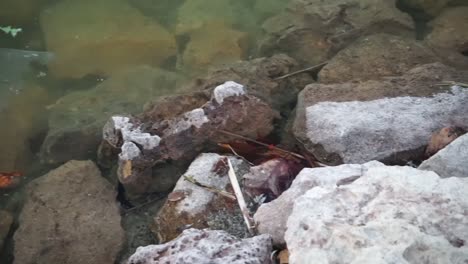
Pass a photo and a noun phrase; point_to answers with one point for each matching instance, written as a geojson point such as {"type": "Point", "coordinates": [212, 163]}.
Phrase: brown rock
{"type": "Point", "coordinates": [376, 56]}
{"type": "Point", "coordinates": [102, 37]}
{"type": "Point", "coordinates": [449, 30]}
{"type": "Point", "coordinates": [70, 216]}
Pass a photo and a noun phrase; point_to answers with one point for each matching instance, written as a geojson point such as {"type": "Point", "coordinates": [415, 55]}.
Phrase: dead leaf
{"type": "Point", "coordinates": [176, 196]}
{"type": "Point", "coordinates": [283, 256]}
{"type": "Point", "coordinates": [442, 138]}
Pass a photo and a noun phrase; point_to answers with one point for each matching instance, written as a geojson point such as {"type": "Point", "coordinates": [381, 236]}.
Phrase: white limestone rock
{"type": "Point", "coordinates": [388, 215]}
{"type": "Point", "coordinates": [206, 246]}
{"type": "Point", "coordinates": [375, 130]}
{"type": "Point", "coordinates": [271, 217]}
{"type": "Point", "coordinates": [227, 89]}
{"type": "Point", "coordinates": [451, 161]}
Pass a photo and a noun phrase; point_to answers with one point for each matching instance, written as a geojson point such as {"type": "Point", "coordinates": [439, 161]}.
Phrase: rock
{"type": "Point", "coordinates": [429, 7]}
{"type": "Point", "coordinates": [313, 30]}
{"type": "Point", "coordinates": [451, 160]}
{"type": "Point", "coordinates": [449, 30]}
{"type": "Point", "coordinates": [76, 120]}
{"type": "Point", "coordinates": [6, 220]}
{"type": "Point", "coordinates": [192, 206]}
{"type": "Point", "coordinates": [388, 215]}
{"type": "Point", "coordinates": [121, 37]}
{"type": "Point", "coordinates": [182, 137]}
{"type": "Point", "coordinates": [206, 246]}
{"type": "Point", "coordinates": [398, 132]}
{"type": "Point", "coordinates": [70, 216]}
{"type": "Point", "coordinates": [442, 138]}
{"type": "Point", "coordinates": [271, 218]}
{"type": "Point", "coordinates": [375, 56]}
{"type": "Point", "coordinates": [25, 121]}
{"type": "Point", "coordinates": [212, 45]}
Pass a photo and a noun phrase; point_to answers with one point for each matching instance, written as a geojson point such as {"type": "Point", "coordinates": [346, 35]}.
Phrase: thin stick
{"type": "Point", "coordinates": [301, 71]}
{"type": "Point", "coordinates": [240, 199]}
{"type": "Point", "coordinates": [143, 204]}
{"type": "Point", "coordinates": [209, 188]}
{"type": "Point", "coordinates": [235, 153]}
{"type": "Point", "coordinates": [263, 144]}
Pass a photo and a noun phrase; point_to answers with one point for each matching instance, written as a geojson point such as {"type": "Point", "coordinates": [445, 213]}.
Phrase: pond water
{"type": "Point", "coordinates": [67, 65]}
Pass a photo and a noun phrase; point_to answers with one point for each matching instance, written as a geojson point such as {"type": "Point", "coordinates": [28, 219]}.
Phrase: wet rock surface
{"type": "Point", "coordinates": [6, 220]}
{"type": "Point", "coordinates": [206, 246]}
{"type": "Point", "coordinates": [76, 120]}
{"type": "Point", "coordinates": [449, 30]}
{"type": "Point", "coordinates": [388, 215]}
{"type": "Point", "coordinates": [394, 130]}
{"type": "Point", "coordinates": [70, 216]}
{"type": "Point", "coordinates": [375, 56]}
{"type": "Point", "coordinates": [313, 30]}
{"type": "Point", "coordinates": [182, 137]}
{"type": "Point", "coordinates": [191, 206]}
{"type": "Point", "coordinates": [451, 160]}
{"type": "Point", "coordinates": [120, 37]}
{"type": "Point", "coordinates": [271, 218]}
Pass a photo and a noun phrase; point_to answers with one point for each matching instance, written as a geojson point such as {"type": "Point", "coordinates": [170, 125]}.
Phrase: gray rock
{"type": "Point", "coordinates": [451, 161]}
{"type": "Point", "coordinates": [70, 216]}
{"type": "Point", "coordinates": [449, 30]}
{"type": "Point", "coordinates": [206, 246]}
{"type": "Point", "coordinates": [6, 219]}
{"type": "Point", "coordinates": [375, 56]}
{"type": "Point", "coordinates": [192, 206]}
{"type": "Point", "coordinates": [333, 137]}
{"type": "Point", "coordinates": [388, 215]}
{"type": "Point", "coordinates": [76, 120]}
{"type": "Point", "coordinates": [312, 30]}
{"type": "Point", "coordinates": [429, 7]}
{"type": "Point", "coordinates": [271, 218]}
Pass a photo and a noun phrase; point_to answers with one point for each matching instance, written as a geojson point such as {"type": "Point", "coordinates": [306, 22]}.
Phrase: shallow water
{"type": "Point", "coordinates": [75, 60]}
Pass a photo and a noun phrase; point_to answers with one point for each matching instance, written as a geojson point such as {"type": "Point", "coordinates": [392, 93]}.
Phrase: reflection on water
{"type": "Point", "coordinates": [77, 62]}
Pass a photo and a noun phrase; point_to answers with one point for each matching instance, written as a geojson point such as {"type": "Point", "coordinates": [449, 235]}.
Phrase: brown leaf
{"type": "Point", "coordinates": [442, 138]}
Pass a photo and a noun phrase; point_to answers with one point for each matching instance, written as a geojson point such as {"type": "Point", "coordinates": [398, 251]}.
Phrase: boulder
{"type": "Point", "coordinates": [6, 220]}
{"type": "Point", "coordinates": [213, 45]}
{"type": "Point", "coordinates": [70, 216]}
{"type": "Point", "coordinates": [449, 30]}
{"type": "Point", "coordinates": [451, 160]}
{"type": "Point", "coordinates": [76, 120]}
{"type": "Point", "coordinates": [206, 246]}
{"type": "Point", "coordinates": [314, 30]}
{"type": "Point", "coordinates": [375, 56]}
{"type": "Point", "coordinates": [332, 120]}
{"type": "Point", "coordinates": [387, 215]}
{"type": "Point", "coordinates": [271, 218]}
{"type": "Point", "coordinates": [144, 142]}
{"type": "Point", "coordinates": [191, 206]}
{"type": "Point", "coordinates": [102, 37]}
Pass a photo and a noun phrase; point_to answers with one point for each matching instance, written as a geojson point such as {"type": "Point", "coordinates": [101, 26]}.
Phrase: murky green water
{"type": "Point", "coordinates": [74, 63]}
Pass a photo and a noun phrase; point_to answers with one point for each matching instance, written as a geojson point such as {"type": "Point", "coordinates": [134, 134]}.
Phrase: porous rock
{"type": "Point", "coordinates": [395, 130]}
{"type": "Point", "coordinates": [206, 246]}
{"type": "Point", "coordinates": [313, 30]}
{"type": "Point", "coordinates": [76, 120]}
{"type": "Point", "coordinates": [375, 56]}
{"type": "Point", "coordinates": [190, 205]}
{"type": "Point", "coordinates": [70, 216]}
{"type": "Point", "coordinates": [271, 218]}
{"type": "Point", "coordinates": [102, 37]}
{"type": "Point", "coordinates": [388, 215]}
{"type": "Point", "coordinates": [449, 30]}
{"type": "Point", "coordinates": [451, 161]}
{"type": "Point", "coordinates": [143, 144]}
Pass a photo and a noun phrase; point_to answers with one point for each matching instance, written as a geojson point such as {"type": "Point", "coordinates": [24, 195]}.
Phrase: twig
{"type": "Point", "coordinates": [448, 83]}
{"type": "Point", "coordinates": [235, 153]}
{"type": "Point", "coordinates": [240, 199]}
{"type": "Point", "coordinates": [263, 144]}
{"type": "Point", "coordinates": [301, 71]}
{"type": "Point", "coordinates": [209, 188]}
{"type": "Point", "coordinates": [144, 204]}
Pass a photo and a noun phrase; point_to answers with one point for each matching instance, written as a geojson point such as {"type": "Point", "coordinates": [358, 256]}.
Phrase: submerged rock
{"type": "Point", "coordinates": [102, 37]}
{"type": "Point", "coordinates": [451, 161]}
{"type": "Point", "coordinates": [271, 218]}
{"type": "Point", "coordinates": [206, 246]}
{"type": "Point", "coordinates": [76, 120]}
{"type": "Point", "coordinates": [6, 220]}
{"type": "Point", "coordinates": [191, 206]}
{"type": "Point", "coordinates": [363, 121]}
{"type": "Point", "coordinates": [388, 215]}
{"type": "Point", "coordinates": [70, 216]}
